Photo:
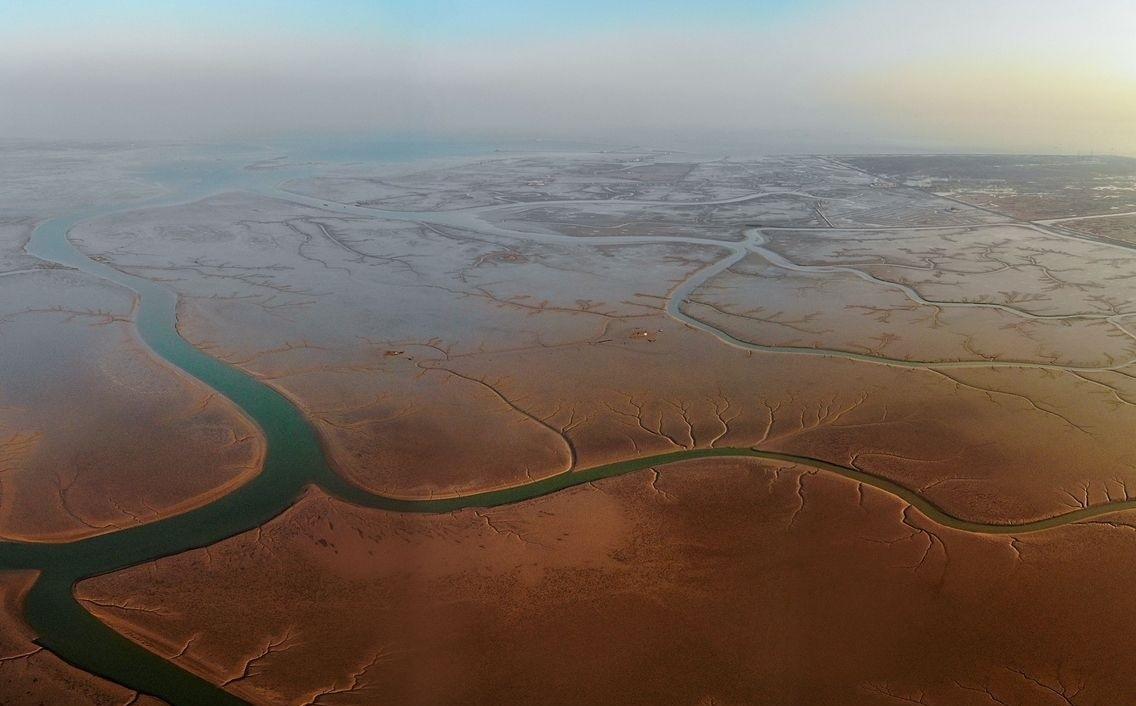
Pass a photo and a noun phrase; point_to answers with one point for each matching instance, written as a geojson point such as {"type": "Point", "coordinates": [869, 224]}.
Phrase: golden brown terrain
{"type": "Point", "coordinates": [32, 676]}
{"type": "Point", "coordinates": [493, 321]}
{"type": "Point", "coordinates": [468, 349]}
{"type": "Point", "coordinates": [95, 433]}
{"type": "Point", "coordinates": [723, 581]}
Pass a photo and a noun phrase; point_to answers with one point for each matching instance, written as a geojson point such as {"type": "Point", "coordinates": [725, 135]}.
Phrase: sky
{"type": "Point", "coordinates": [812, 75]}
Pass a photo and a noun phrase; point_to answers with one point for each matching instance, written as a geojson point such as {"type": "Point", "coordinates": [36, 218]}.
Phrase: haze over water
{"type": "Point", "coordinates": [825, 75]}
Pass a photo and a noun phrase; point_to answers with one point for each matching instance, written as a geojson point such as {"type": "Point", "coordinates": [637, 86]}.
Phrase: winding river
{"type": "Point", "coordinates": [294, 460]}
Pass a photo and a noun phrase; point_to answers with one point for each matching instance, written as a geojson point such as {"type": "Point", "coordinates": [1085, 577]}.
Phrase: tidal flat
{"type": "Point", "coordinates": [447, 422]}
{"type": "Point", "coordinates": [712, 581]}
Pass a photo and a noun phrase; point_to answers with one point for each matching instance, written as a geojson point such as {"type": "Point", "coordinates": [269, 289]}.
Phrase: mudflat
{"type": "Point", "coordinates": [578, 427]}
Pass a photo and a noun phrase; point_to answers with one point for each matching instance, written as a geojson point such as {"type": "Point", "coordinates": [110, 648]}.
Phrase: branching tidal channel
{"type": "Point", "coordinates": [294, 461]}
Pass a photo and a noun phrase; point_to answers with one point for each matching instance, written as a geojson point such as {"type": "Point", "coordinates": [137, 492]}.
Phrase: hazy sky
{"type": "Point", "coordinates": [1040, 75]}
